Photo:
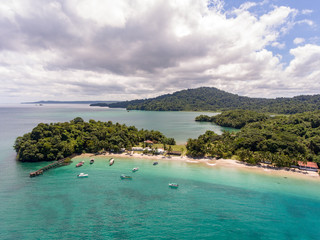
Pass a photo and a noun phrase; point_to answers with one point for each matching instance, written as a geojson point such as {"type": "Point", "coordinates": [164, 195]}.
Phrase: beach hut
{"type": "Point", "coordinates": [309, 166]}
{"type": "Point", "coordinates": [148, 143]}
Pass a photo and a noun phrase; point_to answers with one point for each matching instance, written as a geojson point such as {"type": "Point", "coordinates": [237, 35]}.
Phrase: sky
{"type": "Point", "coordinates": [71, 50]}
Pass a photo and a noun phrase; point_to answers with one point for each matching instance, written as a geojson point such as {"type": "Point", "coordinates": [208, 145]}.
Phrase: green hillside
{"type": "Point", "coordinates": [213, 99]}
{"type": "Point", "coordinates": [282, 140]}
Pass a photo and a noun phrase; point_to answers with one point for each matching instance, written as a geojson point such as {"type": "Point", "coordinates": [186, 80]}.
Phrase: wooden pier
{"type": "Point", "coordinates": [50, 166]}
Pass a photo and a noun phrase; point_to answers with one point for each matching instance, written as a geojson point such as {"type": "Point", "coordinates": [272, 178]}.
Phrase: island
{"type": "Point", "coordinates": [55, 141]}
{"type": "Point", "coordinates": [213, 99]}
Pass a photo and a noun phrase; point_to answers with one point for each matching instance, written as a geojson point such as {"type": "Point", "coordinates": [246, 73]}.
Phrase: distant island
{"type": "Point", "coordinates": [69, 102]}
{"type": "Point", "coordinates": [213, 99]}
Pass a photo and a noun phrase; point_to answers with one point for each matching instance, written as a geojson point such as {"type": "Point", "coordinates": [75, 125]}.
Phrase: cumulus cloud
{"type": "Point", "coordinates": [81, 49]}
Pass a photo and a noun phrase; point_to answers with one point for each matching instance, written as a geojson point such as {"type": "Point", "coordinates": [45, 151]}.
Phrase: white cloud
{"type": "Point", "coordinates": [298, 40]}
{"type": "Point", "coordinates": [306, 11]}
{"type": "Point", "coordinates": [306, 62]}
{"type": "Point", "coordinates": [278, 45]}
{"type": "Point", "coordinates": [103, 13]}
{"type": "Point", "coordinates": [81, 49]}
{"type": "Point", "coordinates": [305, 21]}
{"type": "Point", "coordinates": [247, 5]}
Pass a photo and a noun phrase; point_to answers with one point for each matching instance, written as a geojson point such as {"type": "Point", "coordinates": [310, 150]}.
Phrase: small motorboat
{"type": "Point", "coordinates": [135, 169]}
{"type": "Point", "coordinates": [122, 176]}
{"type": "Point", "coordinates": [155, 163]}
{"type": "Point", "coordinates": [82, 175]}
{"type": "Point", "coordinates": [111, 161]}
{"type": "Point", "coordinates": [92, 161]}
{"type": "Point", "coordinates": [79, 164]}
{"type": "Point", "coordinates": [173, 185]}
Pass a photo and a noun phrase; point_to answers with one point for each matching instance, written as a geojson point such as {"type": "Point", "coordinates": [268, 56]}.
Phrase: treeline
{"type": "Point", "coordinates": [234, 119]}
{"type": "Point", "coordinates": [213, 99]}
{"type": "Point", "coordinates": [281, 140]}
{"type": "Point", "coordinates": [54, 141]}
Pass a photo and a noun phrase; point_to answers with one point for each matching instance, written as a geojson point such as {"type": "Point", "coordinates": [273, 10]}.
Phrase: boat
{"type": "Point", "coordinates": [155, 163]}
{"type": "Point", "coordinates": [111, 161]}
{"type": "Point", "coordinates": [79, 164]}
{"type": "Point", "coordinates": [91, 161]}
{"type": "Point", "coordinates": [82, 175]}
{"type": "Point", "coordinates": [135, 169]}
{"type": "Point", "coordinates": [122, 176]}
{"type": "Point", "coordinates": [173, 185]}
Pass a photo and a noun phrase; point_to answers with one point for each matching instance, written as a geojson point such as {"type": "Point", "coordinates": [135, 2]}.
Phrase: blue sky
{"type": "Point", "coordinates": [310, 34]}
{"type": "Point", "coordinates": [122, 50]}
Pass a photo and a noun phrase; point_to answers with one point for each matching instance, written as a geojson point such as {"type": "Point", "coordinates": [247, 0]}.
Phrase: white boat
{"type": "Point", "coordinates": [82, 175]}
{"type": "Point", "coordinates": [135, 169]}
{"type": "Point", "coordinates": [173, 185]}
{"type": "Point", "coordinates": [111, 161]}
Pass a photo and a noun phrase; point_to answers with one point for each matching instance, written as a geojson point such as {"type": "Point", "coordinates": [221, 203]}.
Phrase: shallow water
{"type": "Point", "coordinates": [210, 203]}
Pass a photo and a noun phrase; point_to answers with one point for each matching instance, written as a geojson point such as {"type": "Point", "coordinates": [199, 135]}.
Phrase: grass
{"type": "Point", "coordinates": [180, 148]}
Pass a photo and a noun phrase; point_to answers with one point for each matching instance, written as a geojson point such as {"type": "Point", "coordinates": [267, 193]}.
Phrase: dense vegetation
{"type": "Point", "coordinates": [281, 140]}
{"type": "Point", "coordinates": [235, 118]}
{"type": "Point", "coordinates": [48, 142]}
{"type": "Point", "coordinates": [213, 99]}
{"type": "Point", "coordinates": [68, 102]}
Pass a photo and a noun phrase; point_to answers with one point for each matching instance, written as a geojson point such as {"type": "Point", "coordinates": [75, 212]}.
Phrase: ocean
{"type": "Point", "coordinates": [210, 203]}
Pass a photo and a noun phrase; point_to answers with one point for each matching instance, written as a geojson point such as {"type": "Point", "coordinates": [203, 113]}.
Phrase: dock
{"type": "Point", "coordinates": [50, 166]}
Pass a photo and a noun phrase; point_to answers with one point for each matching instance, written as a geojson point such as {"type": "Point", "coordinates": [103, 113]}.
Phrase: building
{"type": "Point", "coordinates": [137, 149]}
{"type": "Point", "coordinates": [148, 142]}
{"type": "Point", "coordinates": [160, 151]}
{"type": "Point", "coordinates": [309, 166]}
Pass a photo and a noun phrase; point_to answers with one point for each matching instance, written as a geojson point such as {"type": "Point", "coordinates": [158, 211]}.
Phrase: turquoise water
{"type": "Point", "coordinates": [210, 203]}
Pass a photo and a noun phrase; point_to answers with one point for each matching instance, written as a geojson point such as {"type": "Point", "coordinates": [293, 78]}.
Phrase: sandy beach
{"type": "Point", "coordinates": [215, 163]}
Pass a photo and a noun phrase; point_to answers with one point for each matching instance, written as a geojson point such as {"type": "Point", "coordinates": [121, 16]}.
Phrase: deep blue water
{"type": "Point", "coordinates": [210, 203]}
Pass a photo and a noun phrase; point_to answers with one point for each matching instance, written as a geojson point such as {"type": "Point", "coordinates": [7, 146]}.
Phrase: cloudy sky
{"type": "Point", "coordinates": [128, 49]}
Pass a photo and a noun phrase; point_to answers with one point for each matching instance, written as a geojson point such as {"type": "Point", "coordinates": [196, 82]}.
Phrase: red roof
{"type": "Point", "coordinates": [309, 164]}
{"type": "Point", "coordinates": [148, 141]}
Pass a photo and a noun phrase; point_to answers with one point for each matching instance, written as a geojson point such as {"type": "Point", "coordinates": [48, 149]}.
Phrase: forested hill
{"type": "Point", "coordinates": [281, 140]}
{"type": "Point", "coordinates": [213, 99]}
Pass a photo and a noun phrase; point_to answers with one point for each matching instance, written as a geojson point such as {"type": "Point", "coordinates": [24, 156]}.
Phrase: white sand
{"type": "Point", "coordinates": [284, 172]}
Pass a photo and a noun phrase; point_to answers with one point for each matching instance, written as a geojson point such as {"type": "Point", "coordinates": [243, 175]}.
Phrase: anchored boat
{"type": "Point", "coordinates": [135, 169]}
{"type": "Point", "coordinates": [80, 164]}
{"type": "Point", "coordinates": [173, 185]}
{"type": "Point", "coordinates": [111, 161]}
{"type": "Point", "coordinates": [92, 161]}
{"type": "Point", "coordinates": [122, 176]}
{"type": "Point", "coordinates": [82, 175]}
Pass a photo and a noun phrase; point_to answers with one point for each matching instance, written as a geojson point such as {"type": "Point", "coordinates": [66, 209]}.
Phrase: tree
{"type": "Point", "coordinates": [48, 142]}
{"type": "Point", "coordinates": [170, 149]}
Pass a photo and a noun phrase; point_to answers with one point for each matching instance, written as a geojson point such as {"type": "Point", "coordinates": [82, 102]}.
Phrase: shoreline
{"type": "Point", "coordinates": [226, 163]}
